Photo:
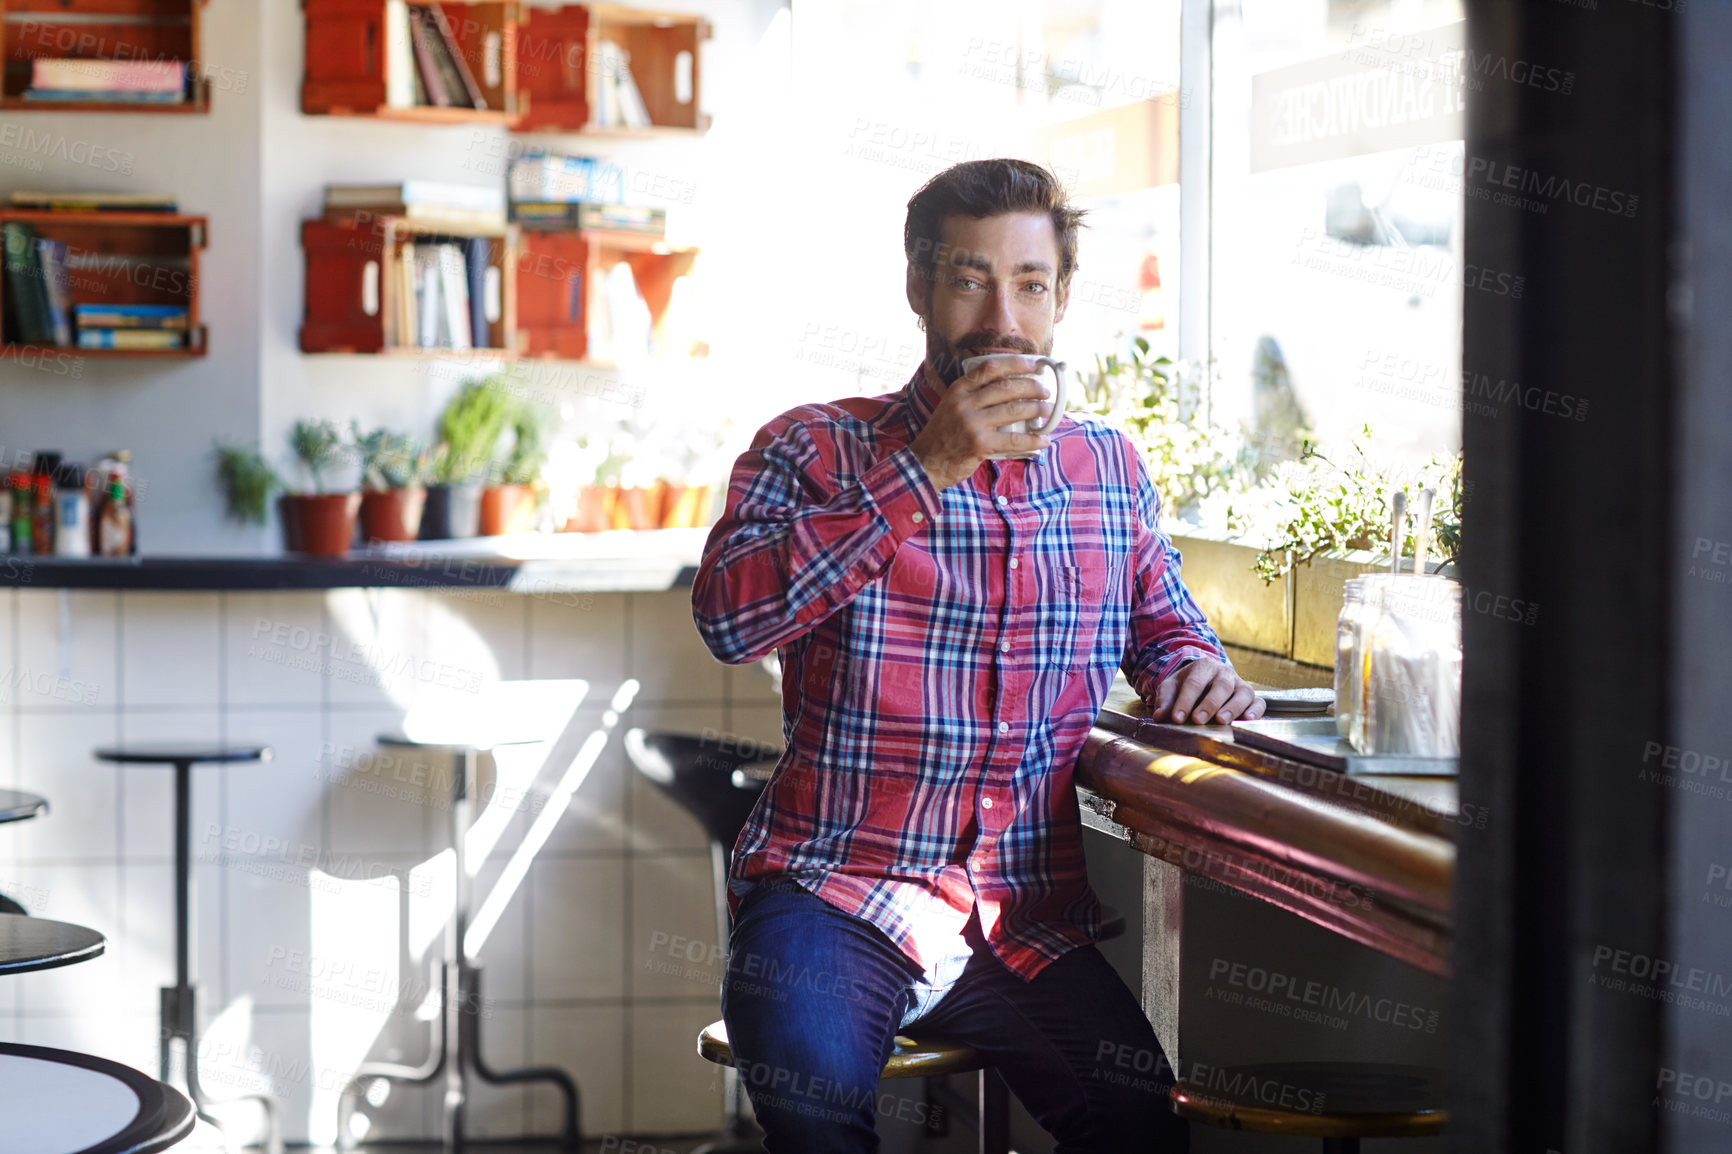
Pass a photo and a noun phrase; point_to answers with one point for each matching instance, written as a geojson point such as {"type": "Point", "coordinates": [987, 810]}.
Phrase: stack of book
{"type": "Point", "coordinates": [454, 206]}
{"type": "Point", "coordinates": [550, 192]}
{"type": "Point", "coordinates": [618, 104]}
{"type": "Point", "coordinates": [126, 326]}
{"type": "Point", "coordinates": [436, 288]}
{"type": "Point", "coordinates": [108, 81]}
{"type": "Point", "coordinates": [424, 63]}
{"type": "Point", "coordinates": [37, 292]}
{"type": "Point", "coordinates": [94, 202]}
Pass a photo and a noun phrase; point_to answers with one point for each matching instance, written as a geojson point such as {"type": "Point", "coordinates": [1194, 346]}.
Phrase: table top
{"type": "Point", "coordinates": [165, 752]}
{"type": "Point", "coordinates": [38, 944]}
{"type": "Point", "coordinates": [16, 806]}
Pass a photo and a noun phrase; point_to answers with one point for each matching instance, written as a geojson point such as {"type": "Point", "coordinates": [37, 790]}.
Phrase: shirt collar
{"type": "Point", "coordinates": [922, 394]}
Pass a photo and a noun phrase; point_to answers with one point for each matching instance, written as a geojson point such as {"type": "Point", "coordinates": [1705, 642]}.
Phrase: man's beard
{"type": "Point", "coordinates": [946, 358]}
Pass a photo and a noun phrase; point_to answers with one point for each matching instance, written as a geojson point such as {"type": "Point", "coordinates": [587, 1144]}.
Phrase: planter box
{"type": "Point", "coordinates": [1242, 610]}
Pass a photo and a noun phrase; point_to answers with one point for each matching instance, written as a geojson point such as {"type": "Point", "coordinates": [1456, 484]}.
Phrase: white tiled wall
{"type": "Point", "coordinates": [313, 919]}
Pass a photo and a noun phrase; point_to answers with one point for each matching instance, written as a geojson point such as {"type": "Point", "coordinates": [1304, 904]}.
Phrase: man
{"type": "Point", "coordinates": [948, 626]}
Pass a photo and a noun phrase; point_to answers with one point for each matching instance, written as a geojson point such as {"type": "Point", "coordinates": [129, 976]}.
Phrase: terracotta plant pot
{"type": "Point", "coordinates": [391, 514]}
{"type": "Point", "coordinates": [594, 510]}
{"type": "Point", "coordinates": [639, 508]}
{"type": "Point", "coordinates": [685, 506]}
{"type": "Point", "coordinates": [451, 511]}
{"type": "Point", "coordinates": [325, 522]}
{"type": "Point", "coordinates": [507, 509]}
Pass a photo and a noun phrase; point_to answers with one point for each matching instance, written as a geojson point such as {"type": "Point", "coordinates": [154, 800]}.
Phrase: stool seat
{"type": "Point", "coordinates": [1352, 1099]}
{"type": "Point", "coordinates": [180, 752]}
{"type": "Point", "coordinates": [15, 805]}
{"type": "Point", "coordinates": [909, 1059]}
{"type": "Point", "coordinates": [38, 944]}
{"type": "Point", "coordinates": [68, 1103]}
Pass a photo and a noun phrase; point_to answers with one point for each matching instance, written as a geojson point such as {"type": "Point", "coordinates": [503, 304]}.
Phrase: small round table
{"type": "Point", "coordinates": [28, 944]}
{"type": "Point", "coordinates": [179, 1011]}
{"type": "Point", "coordinates": [18, 806]}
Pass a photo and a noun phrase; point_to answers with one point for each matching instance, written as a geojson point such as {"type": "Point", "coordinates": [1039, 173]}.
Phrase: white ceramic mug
{"type": "Point", "coordinates": [1038, 428]}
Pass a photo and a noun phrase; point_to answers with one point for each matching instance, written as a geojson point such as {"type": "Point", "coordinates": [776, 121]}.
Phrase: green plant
{"type": "Point", "coordinates": [1188, 457]}
{"type": "Point", "coordinates": [469, 428]}
{"type": "Point", "coordinates": [317, 446]}
{"type": "Point", "coordinates": [388, 460]}
{"type": "Point", "coordinates": [530, 425]}
{"type": "Point", "coordinates": [247, 481]}
{"type": "Point", "coordinates": [1316, 507]}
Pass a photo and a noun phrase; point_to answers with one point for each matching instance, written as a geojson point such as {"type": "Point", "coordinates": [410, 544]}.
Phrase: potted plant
{"type": "Point", "coordinates": [508, 505]}
{"type": "Point", "coordinates": [469, 428]}
{"type": "Point", "coordinates": [392, 496]}
{"type": "Point", "coordinates": [315, 521]}
{"type": "Point", "coordinates": [247, 482]}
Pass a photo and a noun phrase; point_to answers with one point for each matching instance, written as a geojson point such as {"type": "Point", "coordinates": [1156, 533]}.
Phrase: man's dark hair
{"type": "Point", "coordinates": [983, 188]}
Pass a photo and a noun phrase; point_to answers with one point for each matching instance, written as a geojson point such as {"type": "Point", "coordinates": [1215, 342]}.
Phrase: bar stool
{"type": "Point", "coordinates": [935, 1058]}
{"type": "Point", "coordinates": [718, 784]}
{"type": "Point", "coordinates": [457, 1053]}
{"type": "Point", "coordinates": [179, 1009]}
{"type": "Point", "coordinates": [18, 806]}
{"type": "Point", "coordinates": [1356, 1099]}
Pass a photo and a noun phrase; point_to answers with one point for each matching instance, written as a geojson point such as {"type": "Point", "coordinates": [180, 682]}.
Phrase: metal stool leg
{"type": "Point", "coordinates": [994, 1113]}
{"type": "Point", "coordinates": [469, 1025]}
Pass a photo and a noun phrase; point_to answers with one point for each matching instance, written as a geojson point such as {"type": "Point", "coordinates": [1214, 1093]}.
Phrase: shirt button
{"type": "Point", "coordinates": [986, 803]}
{"type": "Point", "coordinates": [1004, 727]}
{"type": "Point", "coordinates": [1004, 647]}
{"type": "Point", "coordinates": [919, 517]}
{"type": "Point", "coordinates": [1002, 501]}
{"type": "Point", "coordinates": [1014, 563]}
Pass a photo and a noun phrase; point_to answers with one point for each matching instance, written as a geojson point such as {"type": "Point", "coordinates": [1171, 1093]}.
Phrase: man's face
{"type": "Point", "coordinates": [995, 290]}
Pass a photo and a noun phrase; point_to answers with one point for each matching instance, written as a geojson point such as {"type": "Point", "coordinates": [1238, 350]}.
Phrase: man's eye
{"type": "Point", "coordinates": [966, 283]}
{"type": "Point", "coordinates": [1034, 287]}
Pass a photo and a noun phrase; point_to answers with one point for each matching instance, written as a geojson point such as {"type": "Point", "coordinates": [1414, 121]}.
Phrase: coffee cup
{"type": "Point", "coordinates": [1038, 428]}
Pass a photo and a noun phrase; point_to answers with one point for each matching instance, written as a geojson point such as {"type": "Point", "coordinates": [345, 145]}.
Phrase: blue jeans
{"type": "Point", "coordinates": [813, 999]}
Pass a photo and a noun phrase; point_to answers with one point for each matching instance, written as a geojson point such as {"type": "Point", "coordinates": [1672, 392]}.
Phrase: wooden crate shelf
{"type": "Point", "coordinates": [555, 271]}
{"type": "Point", "coordinates": [346, 60]}
{"type": "Point", "coordinates": [121, 258]}
{"type": "Point", "coordinates": [353, 290]}
{"type": "Point", "coordinates": [560, 82]}
{"type": "Point", "coordinates": [100, 30]}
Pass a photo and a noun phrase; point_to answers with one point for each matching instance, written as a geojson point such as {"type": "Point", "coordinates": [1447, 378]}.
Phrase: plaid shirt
{"type": "Point", "coordinates": [944, 656]}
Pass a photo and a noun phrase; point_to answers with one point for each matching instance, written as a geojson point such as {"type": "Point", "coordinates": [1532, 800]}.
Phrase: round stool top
{"type": "Point", "coordinates": [59, 1102]}
{"type": "Point", "coordinates": [908, 1059]}
{"type": "Point", "coordinates": [169, 752]}
{"type": "Point", "coordinates": [1315, 1099]}
{"type": "Point", "coordinates": [28, 943]}
{"type": "Point", "coordinates": [407, 742]}
{"type": "Point", "coordinates": [16, 806]}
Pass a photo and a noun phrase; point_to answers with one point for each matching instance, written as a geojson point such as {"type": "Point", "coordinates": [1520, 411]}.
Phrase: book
{"type": "Point", "coordinates": [427, 297]}
{"type": "Point", "coordinates": [475, 258]}
{"type": "Point", "coordinates": [399, 56]}
{"type": "Point", "coordinates": [51, 255]}
{"type": "Point", "coordinates": [454, 298]}
{"type": "Point", "coordinates": [630, 100]}
{"type": "Point", "coordinates": [130, 339]}
{"type": "Point", "coordinates": [421, 40]}
{"type": "Point", "coordinates": [408, 313]}
{"type": "Point", "coordinates": [465, 75]}
{"type": "Point", "coordinates": [416, 192]}
{"type": "Point", "coordinates": [24, 288]}
{"type": "Point", "coordinates": [548, 177]}
{"type": "Point", "coordinates": [85, 96]}
{"type": "Point", "coordinates": [131, 316]}
{"type": "Point", "coordinates": [108, 76]}
{"type": "Point", "coordinates": [556, 217]}
{"type": "Point", "coordinates": [94, 201]}
{"type": "Point", "coordinates": [440, 49]}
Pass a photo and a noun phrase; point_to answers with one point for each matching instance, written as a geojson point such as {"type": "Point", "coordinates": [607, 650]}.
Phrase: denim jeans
{"type": "Point", "coordinates": [814, 997]}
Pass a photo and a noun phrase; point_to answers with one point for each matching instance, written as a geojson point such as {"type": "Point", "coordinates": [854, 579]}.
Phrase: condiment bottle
{"type": "Point", "coordinates": [114, 533]}
{"type": "Point", "coordinates": [72, 514]}
{"type": "Point", "coordinates": [21, 529]}
{"type": "Point", "coordinates": [42, 516]}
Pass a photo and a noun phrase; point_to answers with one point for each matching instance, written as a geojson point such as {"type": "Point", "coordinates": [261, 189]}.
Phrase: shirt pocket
{"type": "Point", "coordinates": [1072, 617]}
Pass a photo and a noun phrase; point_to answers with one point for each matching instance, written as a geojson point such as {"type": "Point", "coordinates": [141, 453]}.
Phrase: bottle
{"type": "Point", "coordinates": [21, 532]}
{"type": "Point", "coordinates": [72, 514]}
{"type": "Point", "coordinates": [114, 533]}
{"type": "Point", "coordinates": [42, 516]}
{"type": "Point", "coordinates": [6, 518]}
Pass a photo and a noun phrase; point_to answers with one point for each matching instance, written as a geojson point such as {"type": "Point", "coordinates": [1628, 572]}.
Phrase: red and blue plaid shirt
{"type": "Point", "coordinates": [944, 656]}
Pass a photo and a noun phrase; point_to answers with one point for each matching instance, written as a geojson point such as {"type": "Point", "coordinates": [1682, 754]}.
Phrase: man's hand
{"type": "Point", "coordinates": [1205, 690]}
{"type": "Point", "coordinates": [963, 429]}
